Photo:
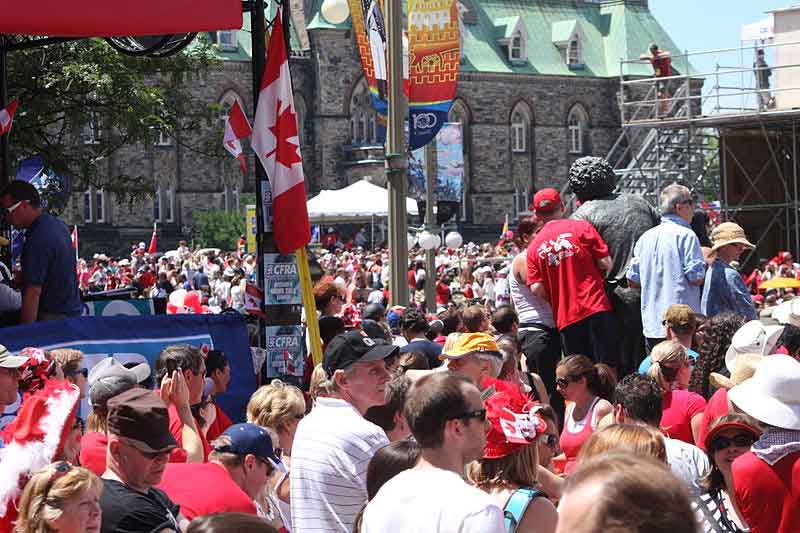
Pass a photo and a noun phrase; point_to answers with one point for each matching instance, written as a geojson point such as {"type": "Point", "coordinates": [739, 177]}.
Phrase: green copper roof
{"type": "Point", "coordinates": [504, 27]}
{"type": "Point", "coordinates": [610, 32]}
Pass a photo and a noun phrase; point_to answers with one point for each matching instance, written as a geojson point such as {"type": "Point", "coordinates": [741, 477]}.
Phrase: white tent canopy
{"type": "Point", "coordinates": [358, 202]}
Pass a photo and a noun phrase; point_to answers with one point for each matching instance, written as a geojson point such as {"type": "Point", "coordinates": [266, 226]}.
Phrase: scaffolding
{"type": "Point", "coordinates": [734, 142]}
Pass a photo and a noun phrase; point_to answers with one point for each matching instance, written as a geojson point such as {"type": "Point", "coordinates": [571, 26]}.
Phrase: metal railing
{"type": "Point", "coordinates": [688, 95]}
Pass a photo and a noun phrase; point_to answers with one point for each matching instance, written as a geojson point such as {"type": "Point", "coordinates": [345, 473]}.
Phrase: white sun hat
{"type": "Point", "coordinates": [770, 396]}
{"type": "Point", "coordinates": [753, 337]}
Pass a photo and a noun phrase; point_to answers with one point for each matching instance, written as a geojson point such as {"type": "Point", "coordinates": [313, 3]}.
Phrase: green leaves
{"type": "Point", "coordinates": [84, 108]}
{"type": "Point", "coordinates": [219, 229]}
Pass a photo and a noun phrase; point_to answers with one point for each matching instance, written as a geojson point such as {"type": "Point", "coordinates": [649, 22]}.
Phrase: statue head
{"type": "Point", "coordinates": [591, 178]}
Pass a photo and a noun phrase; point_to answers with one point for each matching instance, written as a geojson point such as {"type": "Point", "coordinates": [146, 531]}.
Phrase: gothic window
{"type": "Point", "coordinates": [94, 205]}
{"type": "Point", "coordinates": [160, 138]}
{"type": "Point", "coordinates": [577, 125]}
{"type": "Point", "coordinates": [300, 114]}
{"type": "Point", "coordinates": [520, 127]}
{"type": "Point", "coordinates": [362, 116]}
{"type": "Point", "coordinates": [230, 197]}
{"type": "Point", "coordinates": [91, 133]}
{"type": "Point", "coordinates": [164, 204]}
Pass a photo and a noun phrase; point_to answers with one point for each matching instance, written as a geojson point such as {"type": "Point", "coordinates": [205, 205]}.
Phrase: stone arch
{"type": "Point", "coordinates": [578, 126]}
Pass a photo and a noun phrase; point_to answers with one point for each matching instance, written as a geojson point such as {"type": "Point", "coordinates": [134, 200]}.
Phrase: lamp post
{"type": "Point", "coordinates": [336, 12]}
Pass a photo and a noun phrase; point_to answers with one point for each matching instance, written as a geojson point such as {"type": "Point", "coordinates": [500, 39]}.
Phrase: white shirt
{"type": "Point", "coordinates": [432, 500]}
{"type": "Point", "coordinates": [332, 448]}
{"type": "Point", "coordinates": [688, 463]}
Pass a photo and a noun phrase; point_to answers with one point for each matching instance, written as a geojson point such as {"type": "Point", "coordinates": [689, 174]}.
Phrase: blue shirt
{"type": "Point", "coordinates": [665, 260]}
{"type": "Point", "coordinates": [431, 350]}
{"type": "Point", "coordinates": [724, 290]}
{"type": "Point", "coordinates": [48, 261]}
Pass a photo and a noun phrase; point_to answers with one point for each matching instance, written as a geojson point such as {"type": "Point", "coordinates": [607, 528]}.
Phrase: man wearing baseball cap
{"type": "Point", "coordinates": [334, 443]}
{"type": "Point", "coordinates": [724, 289]}
{"type": "Point", "coordinates": [567, 261]}
{"type": "Point", "coordinates": [681, 323]}
{"type": "Point", "coordinates": [238, 467]}
{"type": "Point", "coordinates": [139, 444]}
{"type": "Point", "coordinates": [476, 356]}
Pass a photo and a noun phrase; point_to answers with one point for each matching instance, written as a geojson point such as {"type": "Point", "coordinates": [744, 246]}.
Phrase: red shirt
{"type": "Point", "coordinates": [204, 488]}
{"type": "Point", "coordinates": [768, 496]}
{"type": "Point", "coordinates": [442, 293]}
{"type": "Point", "coordinates": [93, 452]}
{"type": "Point", "coordinates": [221, 423]}
{"type": "Point", "coordinates": [662, 65]}
{"type": "Point", "coordinates": [716, 407]}
{"type": "Point", "coordinates": [176, 428]}
{"type": "Point", "coordinates": [676, 416]}
{"type": "Point", "coordinates": [563, 257]}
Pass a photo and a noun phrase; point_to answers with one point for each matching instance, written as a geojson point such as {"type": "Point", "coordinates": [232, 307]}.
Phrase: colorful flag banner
{"type": "Point", "coordinates": [153, 241]}
{"type": "Point", "coordinates": [435, 55]}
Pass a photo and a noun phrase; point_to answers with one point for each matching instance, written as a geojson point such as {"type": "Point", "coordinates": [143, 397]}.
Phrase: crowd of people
{"type": "Point", "coordinates": [610, 371]}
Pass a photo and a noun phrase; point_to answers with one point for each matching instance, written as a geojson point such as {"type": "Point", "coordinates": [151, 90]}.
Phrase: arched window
{"type": "Point", "coordinates": [300, 114]}
{"type": "Point", "coordinates": [520, 128]}
{"type": "Point", "coordinates": [577, 126]}
{"type": "Point", "coordinates": [362, 115]}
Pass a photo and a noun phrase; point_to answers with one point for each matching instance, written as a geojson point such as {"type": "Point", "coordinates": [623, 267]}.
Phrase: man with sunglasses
{"type": "Point", "coordinates": [49, 271]}
{"type": "Point", "coordinates": [668, 263]}
{"type": "Point", "coordinates": [139, 444]}
{"type": "Point", "coordinates": [241, 461]}
{"type": "Point", "coordinates": [9, 385]}
{"type": "Point", "coordinates": [448, 420]}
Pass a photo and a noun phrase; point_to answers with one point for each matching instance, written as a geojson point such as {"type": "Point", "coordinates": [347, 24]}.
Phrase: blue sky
{"type": "Point", "coordinates": [711, 24]}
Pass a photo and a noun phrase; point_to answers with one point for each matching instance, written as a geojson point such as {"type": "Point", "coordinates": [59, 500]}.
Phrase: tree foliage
{"type": "Point", "coordinates": [65, 88]}
{"type": "Point", "coordinates": [219, 229]}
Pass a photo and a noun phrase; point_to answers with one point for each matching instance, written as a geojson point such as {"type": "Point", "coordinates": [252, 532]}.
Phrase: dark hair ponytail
{"type": "Point", "coordinates": [600, 378]}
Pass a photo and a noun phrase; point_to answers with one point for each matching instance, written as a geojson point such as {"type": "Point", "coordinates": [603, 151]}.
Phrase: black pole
{"type": "Point", "coordinates": [5, 168]}
{"type": "Point", "coordinates": [259, 48]}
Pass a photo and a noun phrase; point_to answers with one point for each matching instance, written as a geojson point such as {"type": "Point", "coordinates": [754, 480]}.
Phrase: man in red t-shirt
{"type": "Point", "coordinates": [240, 463]}
{"type": "Point", "coordinates": [662, 68]}
{"type": "Point", "coordinates": [566, 261]}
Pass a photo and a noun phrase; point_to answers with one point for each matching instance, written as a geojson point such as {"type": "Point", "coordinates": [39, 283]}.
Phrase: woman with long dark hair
{"type": "Point", "coordinates": [718, 333]}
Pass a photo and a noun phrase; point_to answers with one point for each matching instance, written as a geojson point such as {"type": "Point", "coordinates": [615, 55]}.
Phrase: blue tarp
{"type": "Point", "coordinates": [131, 338]}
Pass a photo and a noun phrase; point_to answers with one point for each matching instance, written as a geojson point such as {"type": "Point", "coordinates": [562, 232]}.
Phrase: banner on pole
{"type": "Point", "coordinates": [285, 351]}
{"type": "Point", "coordinates": [252, 224]}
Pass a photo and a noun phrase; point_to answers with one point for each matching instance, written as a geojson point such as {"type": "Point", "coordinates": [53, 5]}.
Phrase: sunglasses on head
{"type": "Point", "coordinates": [740, 441]}
{"type": "Point", "coordinates": [478, 413]}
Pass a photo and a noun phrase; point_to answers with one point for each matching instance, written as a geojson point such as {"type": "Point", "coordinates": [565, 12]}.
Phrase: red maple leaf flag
{"type": "Point", "coordinates": [236, 127]}
{"type": "Point", "coordinates": [277, 145]}
{"type": "Point", "coordinates": [7, 116]}
{"type": "Point", "coordinates": [153, 241]}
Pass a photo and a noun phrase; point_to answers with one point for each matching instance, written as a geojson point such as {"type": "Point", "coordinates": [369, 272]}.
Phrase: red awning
{"type": "Point", "coordinates": [107, 18]}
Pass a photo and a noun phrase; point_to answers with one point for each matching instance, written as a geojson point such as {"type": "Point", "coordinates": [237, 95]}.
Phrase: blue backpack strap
{"type": "Point", "coordinates": [516, 505]}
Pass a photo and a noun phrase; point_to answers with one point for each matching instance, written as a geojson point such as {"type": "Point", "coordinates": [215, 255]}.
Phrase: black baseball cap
{"type": "Point", "coordinates": [354, 347]}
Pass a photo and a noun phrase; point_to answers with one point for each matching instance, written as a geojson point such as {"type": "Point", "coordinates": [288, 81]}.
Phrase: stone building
{"type": "Point", "coordinates": [538, 88]}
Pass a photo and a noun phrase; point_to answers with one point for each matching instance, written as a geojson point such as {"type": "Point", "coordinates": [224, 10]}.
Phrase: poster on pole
{"type": "Point", "coordinates": [266, 205]}
{"type": "Point", "coordinates": [252, 225]}
{"type": "Point", "coordinates": [449, 163]}
{"type": "Point", "coordinates": [281, 281]}
{"type": "Point", "coordinates": [285, 349]}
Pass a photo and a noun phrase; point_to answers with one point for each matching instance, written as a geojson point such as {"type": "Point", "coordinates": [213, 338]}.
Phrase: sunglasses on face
{"type": "Point", "coordinates": [84, 371]}
{"type": "Point", "coordinates": [740, 441]}
{"type": "Point", "coordinates": [551, 441]}
{"type": "Point", "coordinates": [10, 209]}
{"type": "Point", "coordinates": [564, 382]}
{"type": "Point", "coordinates": [478, 413]}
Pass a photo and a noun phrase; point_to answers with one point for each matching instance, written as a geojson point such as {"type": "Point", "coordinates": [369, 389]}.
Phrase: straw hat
{"type": "Point", "coordinates": [729, 233]}
{"type": "Point", "coordinates": [752, 337]}
{"type": "Point", "coordinates": [743, 369]}
{"type": "Point", "coordinates": [770, 396]}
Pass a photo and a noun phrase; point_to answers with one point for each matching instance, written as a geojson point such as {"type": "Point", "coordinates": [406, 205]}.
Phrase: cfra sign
{"type": "Point", "coordinates": [138, 339]}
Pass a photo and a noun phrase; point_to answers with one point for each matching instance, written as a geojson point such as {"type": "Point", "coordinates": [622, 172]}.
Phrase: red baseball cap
{"type": "Point", "coordinates": [546, 200]}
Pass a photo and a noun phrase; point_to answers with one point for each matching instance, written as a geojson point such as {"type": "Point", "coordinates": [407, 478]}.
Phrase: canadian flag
{"type": "Point", "coordinates": [153, 241]}
{"type": "Point", "coordinates": [7, 116]}
{"type": "Point", "coordinates": [236, 128]}
{"type": "Point", "coordinates": [277, 145]}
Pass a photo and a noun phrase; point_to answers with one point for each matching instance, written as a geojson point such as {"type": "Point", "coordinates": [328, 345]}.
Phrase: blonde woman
{"type": "Point", "coordinates": [625, 438]}
{"type": "Point", "coordinates": [682, 413]}
{"type": "Point", "coordinates": [278, 407]}
{"type": "Point", "coordinates": [61, 497]}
